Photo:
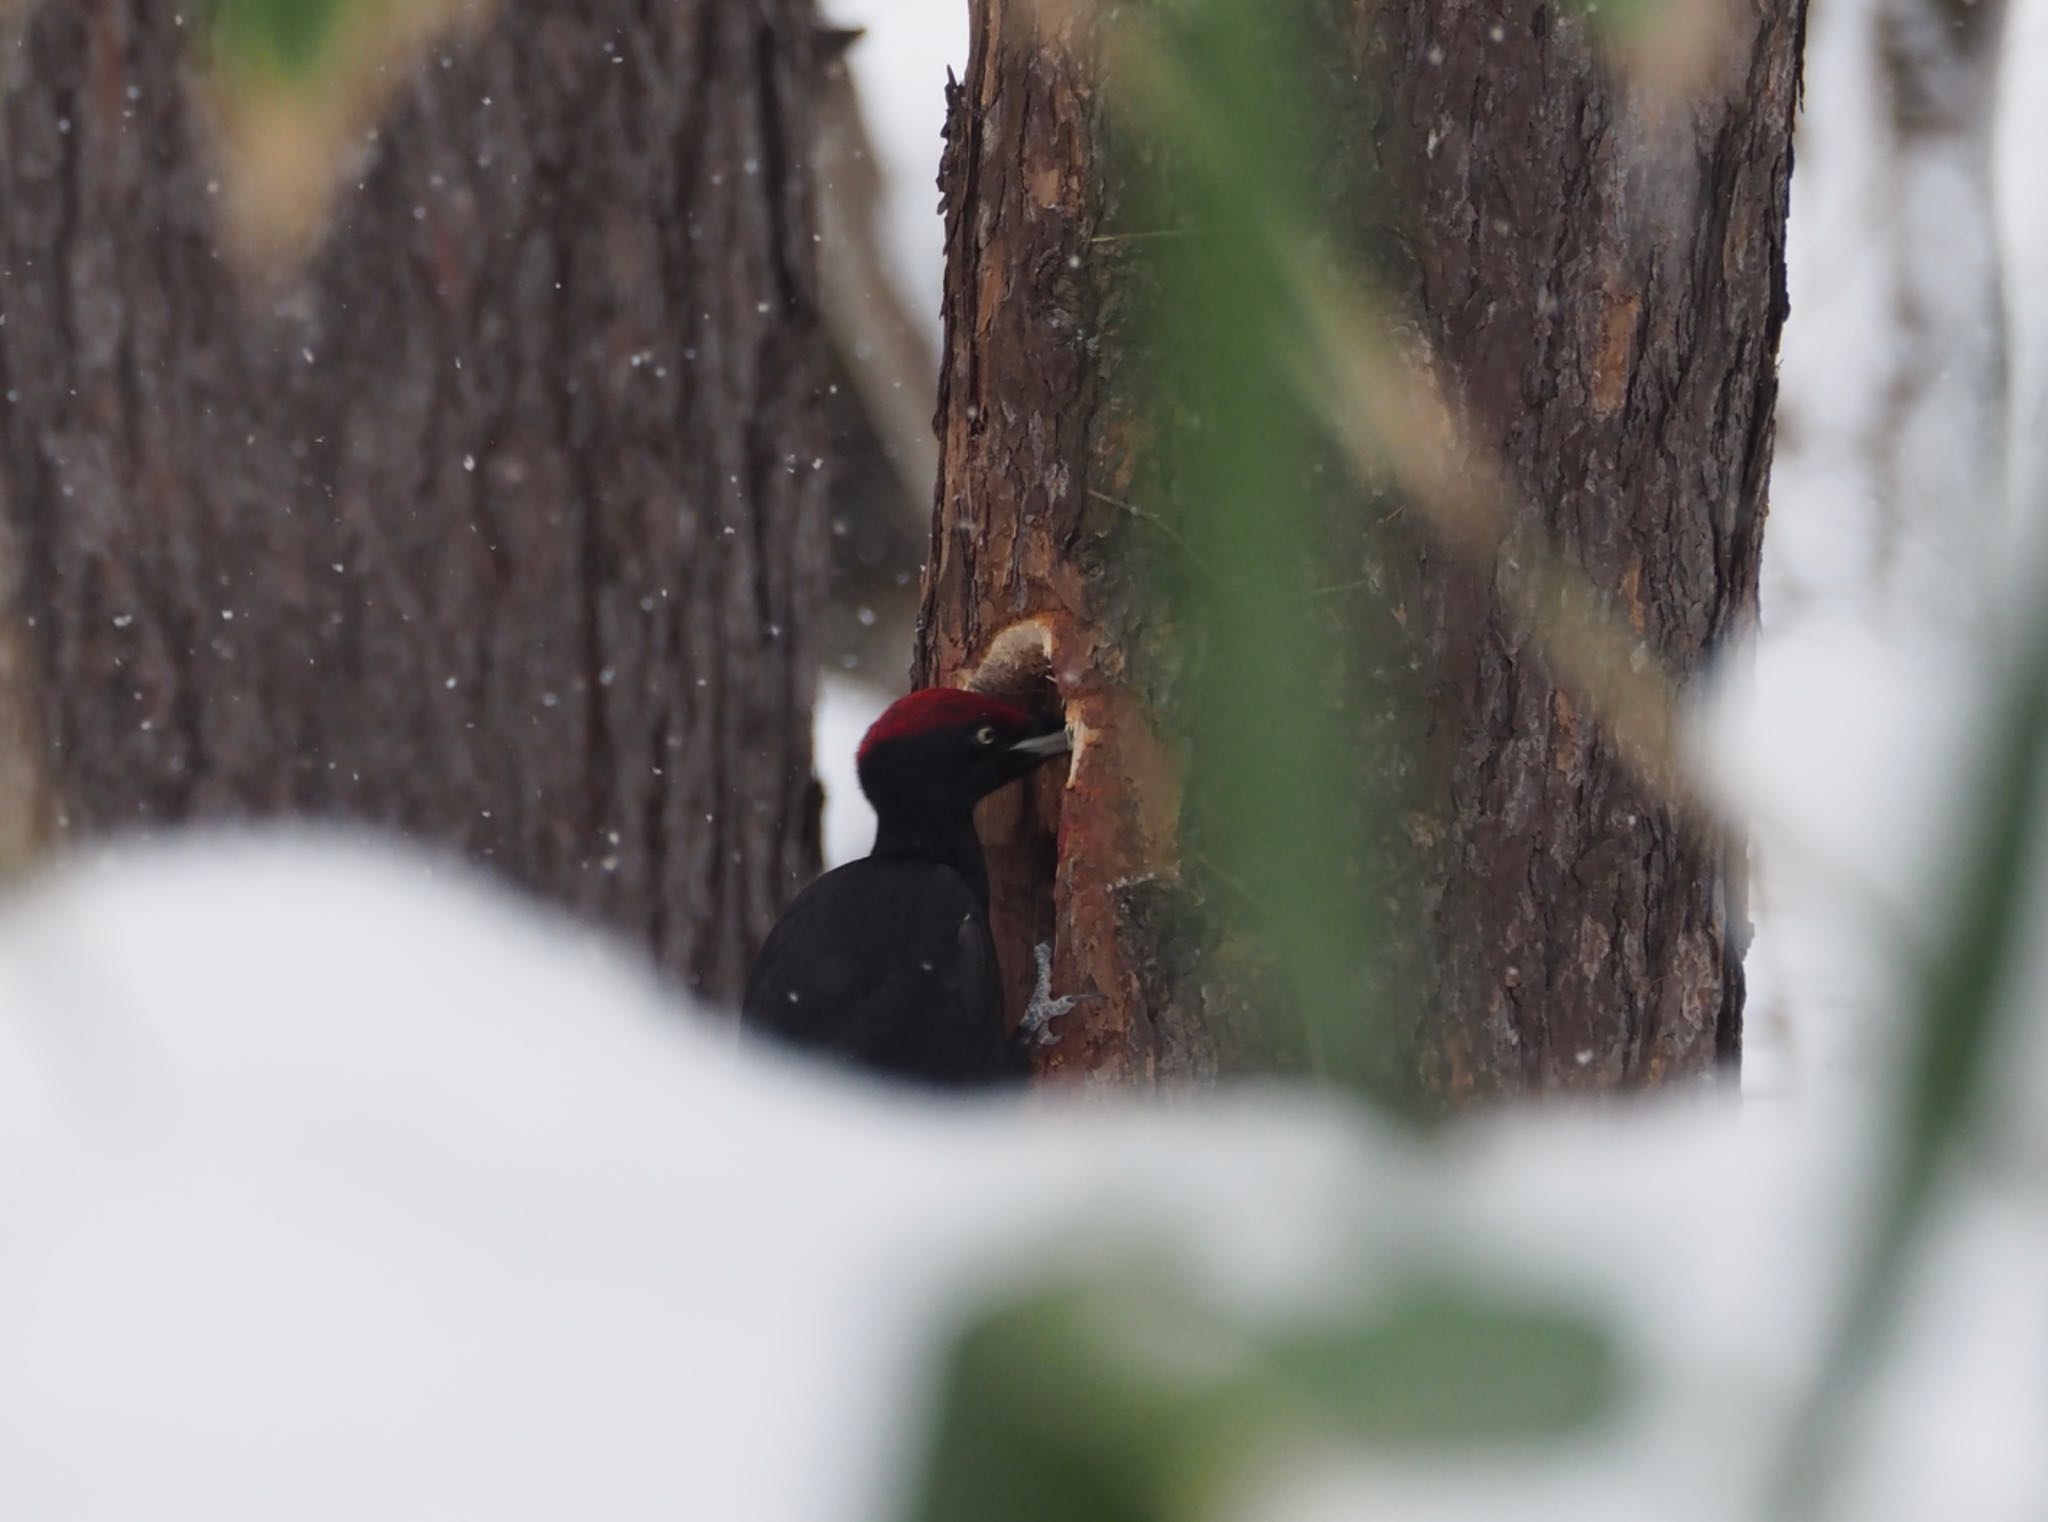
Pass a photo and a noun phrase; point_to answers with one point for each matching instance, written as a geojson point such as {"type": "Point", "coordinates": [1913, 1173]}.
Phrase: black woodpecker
{"type": "Point", "coordinates": [887, 963]}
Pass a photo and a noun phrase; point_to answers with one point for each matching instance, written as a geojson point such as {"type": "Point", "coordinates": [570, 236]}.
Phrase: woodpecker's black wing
{"type": "Point", "coordinates": [888, 964]}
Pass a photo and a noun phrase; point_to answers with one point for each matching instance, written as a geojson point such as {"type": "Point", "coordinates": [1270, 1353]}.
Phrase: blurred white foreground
{"type": "Point", "coordinates": [336, 1186]}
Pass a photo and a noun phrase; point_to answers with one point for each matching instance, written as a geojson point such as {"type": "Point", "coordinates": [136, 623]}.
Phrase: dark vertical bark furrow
{"type": "Point", "coordinates": [537, 397]}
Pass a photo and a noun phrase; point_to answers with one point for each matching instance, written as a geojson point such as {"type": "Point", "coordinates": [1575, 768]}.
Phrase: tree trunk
{"type": "Point", "coordinates": [1597, 275]}
{"type": "Point", "coordinates": [500, 522]}
{"type": "Point", "coordinates": [1941, 445]}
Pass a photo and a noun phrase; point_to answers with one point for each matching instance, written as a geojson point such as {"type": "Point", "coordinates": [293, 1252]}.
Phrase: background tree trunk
{"type": "Point", "coordinates": [500, 523]}
{"type": "Point", "coordinates": [1940, 444]}
{"type": "Point", "coordinates": [1596, 272]}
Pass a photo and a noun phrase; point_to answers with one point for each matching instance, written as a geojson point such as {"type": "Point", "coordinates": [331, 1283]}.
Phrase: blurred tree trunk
{"type": "Point", "coordinates": [1596, 270]}
{"type": "Point", "coordinates": [499, 521]}
{"type": "Point", "coordinates": [1940, 441]}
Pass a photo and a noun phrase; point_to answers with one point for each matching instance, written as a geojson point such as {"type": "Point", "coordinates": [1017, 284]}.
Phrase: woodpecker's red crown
{"type": "Point", "coordinates": [939, 708]}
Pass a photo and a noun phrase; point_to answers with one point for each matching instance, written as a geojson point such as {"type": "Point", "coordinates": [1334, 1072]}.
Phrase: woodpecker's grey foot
{"type": "Point", "coordinates": [1039, 1014]}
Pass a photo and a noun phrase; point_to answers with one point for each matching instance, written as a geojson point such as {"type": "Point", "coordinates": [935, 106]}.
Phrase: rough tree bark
{"type": "Point", "coordinates": [1597, 273]}
{"type": "Point", "coordinates": [498, 523]}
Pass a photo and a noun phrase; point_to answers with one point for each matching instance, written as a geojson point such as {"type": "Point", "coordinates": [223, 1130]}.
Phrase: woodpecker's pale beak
{"type": "Point", "coordinates": [1053, 744]}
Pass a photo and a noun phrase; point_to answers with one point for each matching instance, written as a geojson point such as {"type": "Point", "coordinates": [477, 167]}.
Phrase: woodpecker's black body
{"type": "Point", "coordinates": [888, 963]}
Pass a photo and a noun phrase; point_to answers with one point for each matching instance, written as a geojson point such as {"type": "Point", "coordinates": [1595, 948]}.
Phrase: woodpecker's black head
{"type": "Point", "coordinates": [938, 752]}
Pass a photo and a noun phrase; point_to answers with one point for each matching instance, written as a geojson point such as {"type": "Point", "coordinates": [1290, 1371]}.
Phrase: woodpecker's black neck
{"type": "Point", "coordinates": [947, 839]}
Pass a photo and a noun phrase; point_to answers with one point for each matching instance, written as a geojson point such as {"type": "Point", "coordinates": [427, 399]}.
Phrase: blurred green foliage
{"type": "Point", "coordinates": [1122, 1398]}
{"type": "Point", "coordinates": [1965, 983]}
{"type": "Point", "coordinates": [286, 37]}
{"type": "Point", "coordinates": [1618, 19]}
{"type": "Point", "coordinates": [1288, 803]}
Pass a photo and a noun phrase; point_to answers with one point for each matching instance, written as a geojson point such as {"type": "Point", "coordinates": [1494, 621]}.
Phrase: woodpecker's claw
{"type": "Point", "coordinates": [1039, 1014]}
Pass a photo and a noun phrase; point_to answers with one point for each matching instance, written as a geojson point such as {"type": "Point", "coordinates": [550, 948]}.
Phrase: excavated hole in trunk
{"type": "Point", "coordinates": [1020, 826]}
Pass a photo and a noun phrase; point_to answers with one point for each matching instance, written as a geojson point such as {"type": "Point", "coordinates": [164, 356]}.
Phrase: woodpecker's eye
{"type": "Point", "coordinates": [986, 735]}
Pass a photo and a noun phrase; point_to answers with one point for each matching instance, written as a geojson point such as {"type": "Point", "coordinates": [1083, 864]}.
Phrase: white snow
{"type": "Point", "coordinates": [2022, 213]}
{"type": "Point", "coordinates": [1876, 617]}
{"type": "Point", "coordinates": [335, 1184]}
{"type": "Point", "coordinates": [1845, 749]}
